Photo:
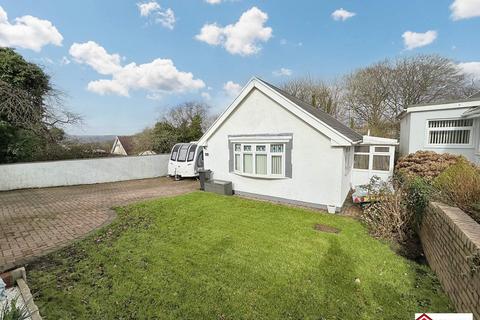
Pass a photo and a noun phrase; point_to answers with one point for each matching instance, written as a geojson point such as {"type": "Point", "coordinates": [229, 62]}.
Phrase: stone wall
{"type": "Point", "coordinates": [451, 241]}
{"type": "Point", "coordinates": [83, 171]}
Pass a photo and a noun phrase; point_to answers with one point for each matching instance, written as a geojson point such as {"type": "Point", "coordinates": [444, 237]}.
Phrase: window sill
{"type": "Point", "coordinates": [256, 176]}
{"type": "Point", "coordinates": [449, 146]}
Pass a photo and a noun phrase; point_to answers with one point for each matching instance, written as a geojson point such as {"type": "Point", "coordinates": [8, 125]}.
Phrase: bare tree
{"type": "Point", "coordinates": [320, 94]}
{"type": "Point", "coordinates": [184, 113]}
{"type": "Point", "coordinates": [367, 92]}
{"type": "Point", "coordinates": [375, 95]}
{"type": "Point", "coordinates": [22, 110]}
{"type": "Point", "coordinates": [425, 79]}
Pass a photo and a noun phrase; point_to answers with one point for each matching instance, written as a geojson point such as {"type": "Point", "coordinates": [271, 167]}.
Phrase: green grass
{"type": "Point", "coordinates": [203, 256]}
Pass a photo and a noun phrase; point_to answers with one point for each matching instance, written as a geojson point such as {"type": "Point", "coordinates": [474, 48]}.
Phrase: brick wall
{"type": "Point", "coordinates": [451, 241]}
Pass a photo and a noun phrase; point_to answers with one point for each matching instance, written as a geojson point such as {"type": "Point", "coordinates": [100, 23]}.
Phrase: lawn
{"type": "Point", "coordinates": [204, 256]}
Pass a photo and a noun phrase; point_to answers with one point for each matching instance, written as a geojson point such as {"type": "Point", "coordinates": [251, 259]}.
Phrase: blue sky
{"type": "Point", "coordinates": [122, 63]}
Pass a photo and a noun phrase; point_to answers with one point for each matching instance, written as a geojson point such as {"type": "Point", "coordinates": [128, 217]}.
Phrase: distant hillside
{"type": "Point", "coordinates": [91, 138]}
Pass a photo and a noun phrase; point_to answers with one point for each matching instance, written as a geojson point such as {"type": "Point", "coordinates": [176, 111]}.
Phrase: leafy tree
{"type": "Point", "coordinates": [183, 123]}
{"type": "Point", "coordinates": [30, 109]}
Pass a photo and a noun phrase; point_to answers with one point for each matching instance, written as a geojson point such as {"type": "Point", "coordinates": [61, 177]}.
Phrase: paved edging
{"type": "Point", "coordinates": [36, 222]}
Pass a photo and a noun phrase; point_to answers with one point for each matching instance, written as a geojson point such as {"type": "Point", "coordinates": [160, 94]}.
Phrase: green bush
{"type": "Point", "coordinates": [460, 185]}
{"type": "Point", "coordinates": [418, 192]}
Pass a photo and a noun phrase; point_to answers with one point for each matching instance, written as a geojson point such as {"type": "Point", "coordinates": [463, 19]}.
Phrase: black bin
{"type": "Point", "coordinates": [204, 175]}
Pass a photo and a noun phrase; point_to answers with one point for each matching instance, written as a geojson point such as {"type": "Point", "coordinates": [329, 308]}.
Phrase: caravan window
{"type": "Point", "coordinates": [182, 154]}
{"type": "Point", "coordinates": [200, 159]}
{"type": "Point", "coordinates": [173, 157]}
{"type": "Point", "coordinates": [191, 152]}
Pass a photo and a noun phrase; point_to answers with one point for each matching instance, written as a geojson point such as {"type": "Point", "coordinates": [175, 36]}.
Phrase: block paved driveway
{"type": "Point", "coordinates": [34, 222]}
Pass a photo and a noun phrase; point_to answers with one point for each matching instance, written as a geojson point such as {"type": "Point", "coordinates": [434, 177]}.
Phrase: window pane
{"type": "Point", "coordinates": [247, 147]}
{"type": "Point", "coordinates": [276, 148]}
{"type": "Point", "coordinates": [261, 148]}
{"type": "Point", "coordinates": [261, 164]}
{"type": "Point", "coordinates": [277, 165]}
{"type": "Point", "coordinates": [360, 161]}
{"type": "Point", "coordinates": [237, 162]}
{"type": "Point", "coordinates": [174, 152]}
{"type": "Point", "coordinates": [382, 149]}
{"type": "Point", "coordinates": [237, 147]}
{"type": "Point", "coordinates": [247, 163]}
{"type": "Point", "coordinates": [362, 149]}
{"type": "Point", "coordinates": [182, 154]}
{"type": "Point", "coordinates": [191, 152]}
{"type": "Point", "coordinates": [381, 163]}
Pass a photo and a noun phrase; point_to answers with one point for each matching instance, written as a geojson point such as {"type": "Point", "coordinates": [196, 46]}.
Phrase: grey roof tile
{"type": "Point", "coordinates": [319, 114]}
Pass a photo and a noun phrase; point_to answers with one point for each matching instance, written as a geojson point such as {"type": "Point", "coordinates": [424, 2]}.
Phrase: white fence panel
{"type": "Point", "coordinates": [82, 171]}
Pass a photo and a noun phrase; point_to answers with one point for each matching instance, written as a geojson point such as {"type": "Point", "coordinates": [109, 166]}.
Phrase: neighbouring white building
{"type": "Point", "coordinates": [452, 127]}
{"type": "Point", "coordinates": [272, 145]}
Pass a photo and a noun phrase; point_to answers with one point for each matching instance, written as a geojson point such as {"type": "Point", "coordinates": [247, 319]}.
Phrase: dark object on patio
{"type": "Point", "coordinates": [219, 186]}
{"type": "Point", "coordinates": [204, 176]}
{"type": "Point", "coordinates": [324, 228]}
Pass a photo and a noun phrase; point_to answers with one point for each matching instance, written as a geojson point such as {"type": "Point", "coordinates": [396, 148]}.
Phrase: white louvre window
{"type": "Point", "coordinates": [259, 159]}
{"type": "Point", "coordinates": [450, 132]}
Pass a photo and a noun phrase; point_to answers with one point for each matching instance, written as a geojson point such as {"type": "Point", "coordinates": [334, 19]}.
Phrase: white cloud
{"type": "Point", "coordinates": [157, 77]}
{"type": "Point", "coordinates": [27, 32]}
{"type": "Point", "coordinates": [166, 18]}
{"type": "Point", "coordinates": [147, 8]}
{"type": "Point", "coordinates": [240, 38]}
{"type": "Point", "coordinates": [471, 68]}
{"type": "Point", "coordinates": [95, 56]}
{"type": "Point", "coordinates": [232, 88]}
{"type": "Point", "coordinates": [158, 15]}
{"type": "Point", "coordinates": [213, 1]}
{"type": "Point", "coordinates": [342, 14]}
{"type": "Point", "coordinates": [282, 72]}
{"type": "Point", "coordinates": [465, 9]}
{"type": "Point", "coordinates": [414, 40]}
{"type": "Point", "coordinates": [206, 95]}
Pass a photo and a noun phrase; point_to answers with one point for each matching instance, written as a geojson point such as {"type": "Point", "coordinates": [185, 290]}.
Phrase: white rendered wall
{"type": "Point", "coordinates": [86, 171]}
{"type": "Point", "coordinates": [317, 168]}
{"type": "Point", "coordinates": [418, 134]}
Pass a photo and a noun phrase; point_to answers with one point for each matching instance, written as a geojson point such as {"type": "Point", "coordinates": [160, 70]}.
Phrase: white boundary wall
{"type": "Point", "coordinates": [82, 171]}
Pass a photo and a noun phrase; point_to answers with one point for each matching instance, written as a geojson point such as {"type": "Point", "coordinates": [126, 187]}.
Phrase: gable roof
{"type": "Point", "coordinates": [127, 144]}
{"type": "Point", "coordinates": [339, 133]}
{"type": "Point", "coordinates": [319, 114]}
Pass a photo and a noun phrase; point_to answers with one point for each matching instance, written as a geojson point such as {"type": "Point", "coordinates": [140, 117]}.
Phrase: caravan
{"type": "Point", "coordinates": [185, 160]}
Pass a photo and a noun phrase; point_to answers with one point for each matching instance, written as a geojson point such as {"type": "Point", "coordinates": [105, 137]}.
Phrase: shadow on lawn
{"type": "Point", "coordinates": [347, 296]}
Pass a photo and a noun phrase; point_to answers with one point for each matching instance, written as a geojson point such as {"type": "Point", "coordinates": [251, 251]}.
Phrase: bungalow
{"type": "Point", "coordinates": [452, 127]}
{"type": "Point", "coordinates": [124, 146]}
{"type": "Point", "coordinates": [272, 145]}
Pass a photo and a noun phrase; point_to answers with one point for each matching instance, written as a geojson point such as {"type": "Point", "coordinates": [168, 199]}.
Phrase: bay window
{"type": "Point", "coordinates": [259, 159]}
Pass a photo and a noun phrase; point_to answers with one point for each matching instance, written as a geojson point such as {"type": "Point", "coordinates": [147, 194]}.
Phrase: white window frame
{"type": "Point", "coordinates": [371, 153]}
{"type": "Point", "coordinates": [448, 145]}
{"type": "Point", "coordinates": [254, 152]}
